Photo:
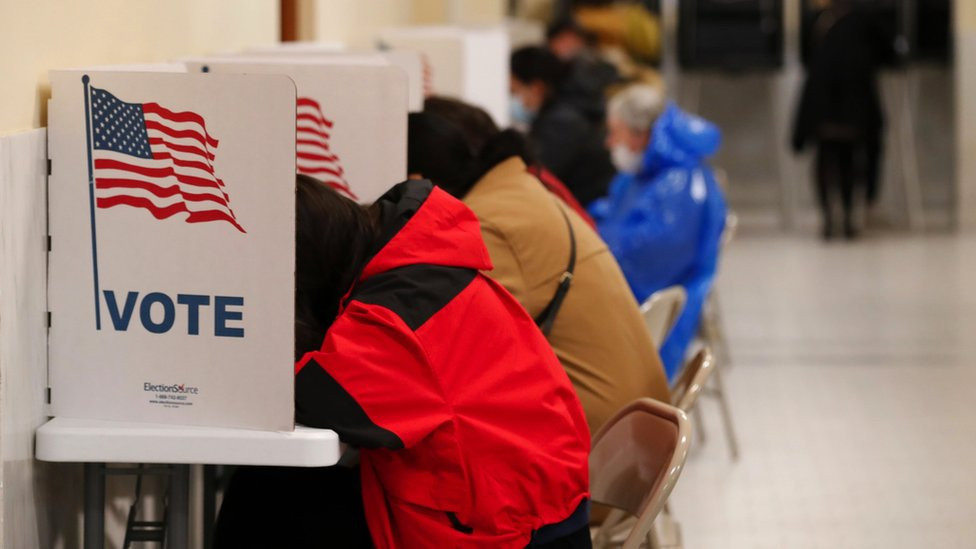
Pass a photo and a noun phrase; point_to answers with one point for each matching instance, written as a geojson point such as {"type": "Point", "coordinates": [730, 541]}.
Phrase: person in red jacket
{"type": "Point", "coordinates": [469, 431]}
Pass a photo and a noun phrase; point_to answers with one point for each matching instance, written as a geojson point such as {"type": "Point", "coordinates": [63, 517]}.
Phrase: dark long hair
{"type": "Point", "coordinates": [438, 150]}
{"type": "Point", "coordinates": [333, 239]}
{"type": "Point", "coordinates": [454, 144]}
{"type": "Point", "coordinates": [476, 124]}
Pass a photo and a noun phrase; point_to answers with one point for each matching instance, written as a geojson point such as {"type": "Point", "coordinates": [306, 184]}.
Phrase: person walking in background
{"type": "Point", "coordinates": [534, 240]}
{"type": "Point", "coordinates": [664, 216]}
{"type": "Point", "coordinates": [569, 141]}
{"type": "Point", "coordinates": [840, 111]}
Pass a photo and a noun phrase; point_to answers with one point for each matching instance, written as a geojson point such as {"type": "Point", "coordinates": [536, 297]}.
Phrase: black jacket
{"type": "Point", "coordinates": [570, 145]}
{"type": "Point", "coordinates": [585, 86]}
{"type": "Point", "coordinates": [840, 98]}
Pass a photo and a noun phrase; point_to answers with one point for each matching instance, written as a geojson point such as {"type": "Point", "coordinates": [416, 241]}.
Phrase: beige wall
{"type": "Point", "coordinates": [965, 65]}
{"type": "Point", "coordinates": [353, 22]}
{"type": "Point", "coordinates": [356, 22]}
{"type": "Point", "coordinates": [474, 12]}
{"type": "Point", "coordinates": [965, 14]}
{"type": "Point", "coordinates": [38, 35]}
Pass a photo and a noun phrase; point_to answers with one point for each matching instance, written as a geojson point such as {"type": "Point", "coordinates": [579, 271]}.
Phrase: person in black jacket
{"type": "Point", "coordinates": [589, 77]}
{"type": "Point", "coordinates": [568, 137]}
{"type": "Point", "coordinates": [840, 108]}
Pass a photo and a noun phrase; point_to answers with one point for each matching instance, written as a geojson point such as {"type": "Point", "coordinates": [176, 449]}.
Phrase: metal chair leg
{"type": "Point", "coordinates": [719, 391]}
{"type": "Point", "coordinates": [652, 541]}
{"type": "Point", "coordinates": [605, 533]}
{"type": "Point", "coordinates": [699, 435]}
{"type": "Point", "coordinates": [717, 328]}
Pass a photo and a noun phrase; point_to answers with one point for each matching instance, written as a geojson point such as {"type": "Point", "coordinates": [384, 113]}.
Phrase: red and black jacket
{"type": "Point", "coordinates": [470, 431]}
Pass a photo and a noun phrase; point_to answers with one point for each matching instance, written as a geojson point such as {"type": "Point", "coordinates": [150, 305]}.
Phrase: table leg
{"type": "Point", "coordinates": [94, 506]}
{"type": "Point", "coordinates": [209, 504]}
{"type": "Point", "coordinates": [178, 514]}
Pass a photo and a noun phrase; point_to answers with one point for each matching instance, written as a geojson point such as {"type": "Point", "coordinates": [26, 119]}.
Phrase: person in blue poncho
{"type": "Point", "coordinates": [664, 215]}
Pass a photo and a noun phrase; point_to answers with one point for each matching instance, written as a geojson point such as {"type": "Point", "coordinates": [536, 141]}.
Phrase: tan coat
{"type": "Point", "coordinates": [599, 335]}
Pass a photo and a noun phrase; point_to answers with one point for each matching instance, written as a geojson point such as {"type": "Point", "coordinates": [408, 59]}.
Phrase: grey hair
{"type": "Point", "coordinates": [637, 106]}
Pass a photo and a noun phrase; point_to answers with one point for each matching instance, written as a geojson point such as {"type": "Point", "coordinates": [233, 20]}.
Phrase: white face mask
{"type": "Point", "coordinates": [625, 159]}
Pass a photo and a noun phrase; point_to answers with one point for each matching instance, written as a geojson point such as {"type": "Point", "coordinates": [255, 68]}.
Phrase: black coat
{"type": "Point", "coordinates": [570, 145]}
{"type": "Point", "coordinates": [586, 84]}
{"type": "Point", "coordinates": [840, 98]}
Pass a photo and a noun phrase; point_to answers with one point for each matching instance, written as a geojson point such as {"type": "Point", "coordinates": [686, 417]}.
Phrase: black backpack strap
{"type": "Point", "coordinates": [547, 317]}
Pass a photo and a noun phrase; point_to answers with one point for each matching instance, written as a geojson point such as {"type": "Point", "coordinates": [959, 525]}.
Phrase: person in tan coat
{"type": "Point", "coordinates": [598, 334]}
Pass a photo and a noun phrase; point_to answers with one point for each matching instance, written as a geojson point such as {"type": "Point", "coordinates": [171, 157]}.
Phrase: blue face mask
{"type": "Point", "coordinates": [520, 114]}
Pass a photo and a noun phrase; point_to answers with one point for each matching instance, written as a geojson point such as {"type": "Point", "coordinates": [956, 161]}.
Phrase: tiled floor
{"type": "Point", "coordinates": [853, 390]}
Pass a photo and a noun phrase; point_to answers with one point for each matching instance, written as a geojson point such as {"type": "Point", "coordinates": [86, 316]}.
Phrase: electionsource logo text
{"type": "Point", "coordinates": [174, 388]}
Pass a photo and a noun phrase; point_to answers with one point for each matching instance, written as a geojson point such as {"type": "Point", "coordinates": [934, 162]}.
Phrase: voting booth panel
{"type": "Point", "coordinates": [470, 64]}
{"type": "Point", "coordinates": [410, 62]}
{"type": "Point", "coordinates": [486, 73]}
{"type": "Point", "coordinates": [352, 119]}
{"type": "Point", "coordinates": [442, 57]}
{"type": "Point", "coordinates": [300, 47]}
{"type": "Point", "coordinates": [37, 501]}
{"type": "Point", "coordinates": [174, 66]}
{"type": "Point", "coordinates": [171, 264]}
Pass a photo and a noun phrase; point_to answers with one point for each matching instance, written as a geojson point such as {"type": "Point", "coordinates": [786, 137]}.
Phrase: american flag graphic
{"type": "Point", "coordinates": [147, 156]}
{"type": "Point", "coordinates": [315, 157]}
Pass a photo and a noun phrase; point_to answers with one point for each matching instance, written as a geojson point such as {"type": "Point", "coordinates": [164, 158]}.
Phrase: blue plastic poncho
{"type": "Point", "coordinates": [664, 223]}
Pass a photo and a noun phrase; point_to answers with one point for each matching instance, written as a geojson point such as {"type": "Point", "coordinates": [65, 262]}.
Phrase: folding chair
{"type": "Point", "coordinates": [636, 459]}
{"type": "Point", "coordinates": [661, 310]}
{"type": "Point", "coordinates": [712, 333]}
{"type": "Point", "coordinates": [692, 380]}
{"type": "Point", "coordinates": [712, 329]}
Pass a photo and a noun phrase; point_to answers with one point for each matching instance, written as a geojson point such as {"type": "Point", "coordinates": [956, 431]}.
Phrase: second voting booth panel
{"type": "Point", "coordinates": [469, 63]}
{"type": "Point", "coordinates": [171, 264]}
{"type": "Point", "coordinates": [411, 62]}
{"type": "Point", "coordinates": [171, 222]}
{"type": "Point", "coordinates": [352, 117]}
